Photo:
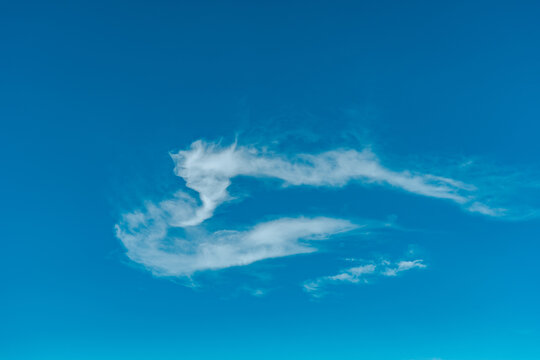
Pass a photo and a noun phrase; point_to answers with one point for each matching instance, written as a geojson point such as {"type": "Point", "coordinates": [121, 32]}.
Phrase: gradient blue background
{"type": "Point", "coordinates": [93, 95]}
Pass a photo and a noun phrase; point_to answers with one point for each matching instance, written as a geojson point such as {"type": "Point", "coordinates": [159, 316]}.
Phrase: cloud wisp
{"type": "Point", "coordinates": [209, 168]}
{"type": "Point", "coordinates": [167, 237]}
{"type": "Point", "coordinates": [149, 242]}
{"type": "Point", "coordinates": [361, 274]}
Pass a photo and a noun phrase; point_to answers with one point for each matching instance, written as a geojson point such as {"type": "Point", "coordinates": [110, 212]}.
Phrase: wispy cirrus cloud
{"type": "Point", "coordinates": [168, 239]}
{"type": "Point", "coordinates": [209, 168]}
{"type": "Point", "coordinates": [149, 242]}
{"type": "Point", "coordinates": [361, 274]}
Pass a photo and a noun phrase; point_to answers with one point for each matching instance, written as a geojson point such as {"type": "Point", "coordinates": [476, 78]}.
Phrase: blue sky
{"type": "Point", "coordinates": [270, 180]}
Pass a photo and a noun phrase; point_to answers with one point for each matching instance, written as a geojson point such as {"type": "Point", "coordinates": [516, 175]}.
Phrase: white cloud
{"type": "Point", "coordinates": [361, 274]}
{"type": "Point", "coordinates": [148, 242]}
{"type": "Point", "coordinates": [208, 169]}
{"type": "Point", "coordinates": [403, 266]}
{"type": "Point", "coordinates": [486, 210]}
{"type": "Point", "coordinates": [166, 237]}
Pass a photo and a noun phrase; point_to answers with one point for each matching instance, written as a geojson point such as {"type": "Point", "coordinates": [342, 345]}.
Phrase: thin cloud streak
{"type": "Point", "coordinates": [208, 169]}
{"type": "Point", "coordinates": [361, 274]}
{"type": "Point", "coordinates": [147, 240]}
